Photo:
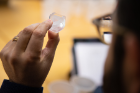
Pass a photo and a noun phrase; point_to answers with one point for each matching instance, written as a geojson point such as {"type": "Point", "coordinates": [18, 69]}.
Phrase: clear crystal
{"type": "Point", "coordinates": [58, 22]}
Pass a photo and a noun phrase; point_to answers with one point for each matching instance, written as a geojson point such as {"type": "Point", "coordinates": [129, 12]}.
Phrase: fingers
{"type": "Point", "coordinates": [53, 39]}
{"type": "Point", "coordinates": [5, 49]}
{"type": "Point", "coordinates": [10, 45]}
{"type": "Point", "coordinates": [13, 43]}
{"type": "Point", "coordinates": [25, 37]}
{"type": "Point", "coordinates": [36, 41]}
{"type": "Point", "coordinates": [7, 45]}
{"type": "Point", "coordinates": [51, 45]}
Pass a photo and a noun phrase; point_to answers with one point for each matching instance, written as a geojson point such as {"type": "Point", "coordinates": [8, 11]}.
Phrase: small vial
{"type": "Point", "coordinates": [58, 22]}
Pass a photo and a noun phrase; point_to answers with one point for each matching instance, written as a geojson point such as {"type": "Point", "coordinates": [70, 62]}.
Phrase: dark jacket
{"type": "Point", "coordinates": [10, 87]}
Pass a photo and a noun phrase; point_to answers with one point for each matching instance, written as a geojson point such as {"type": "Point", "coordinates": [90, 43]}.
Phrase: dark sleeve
{"type": "Point", "coordinates": [10, 87]}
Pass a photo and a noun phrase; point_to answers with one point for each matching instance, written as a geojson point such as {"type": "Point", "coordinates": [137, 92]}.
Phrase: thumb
{"type": "Point", "coordinates": [53, 39]}
{"type": "Point", "coordinates": [51, 44]}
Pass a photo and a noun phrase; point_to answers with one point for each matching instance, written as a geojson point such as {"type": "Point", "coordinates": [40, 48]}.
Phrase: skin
{"type": "Point", "coordinates": [24, 60]}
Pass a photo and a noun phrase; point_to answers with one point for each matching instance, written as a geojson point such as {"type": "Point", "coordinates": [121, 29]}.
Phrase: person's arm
{"type": "Point", "coordinates": [24, 61]}
{"type": "Point", "coordinates": [11, 87]}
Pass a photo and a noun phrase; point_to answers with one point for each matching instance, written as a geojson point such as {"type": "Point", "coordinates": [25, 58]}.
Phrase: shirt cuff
{"type": "Point", "coordinates": [11, 87]}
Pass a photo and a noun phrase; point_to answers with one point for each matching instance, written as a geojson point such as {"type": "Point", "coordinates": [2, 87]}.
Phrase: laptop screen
{"type": "Point", "coordinates": [90, 57]}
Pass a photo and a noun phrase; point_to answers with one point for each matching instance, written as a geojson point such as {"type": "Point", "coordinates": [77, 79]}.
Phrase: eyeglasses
{"type": "Point", "coordinates": [104, 26]}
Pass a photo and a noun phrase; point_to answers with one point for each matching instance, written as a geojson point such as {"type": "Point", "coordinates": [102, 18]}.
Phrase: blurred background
{"type": "Point", "coordinates": [15, 15]}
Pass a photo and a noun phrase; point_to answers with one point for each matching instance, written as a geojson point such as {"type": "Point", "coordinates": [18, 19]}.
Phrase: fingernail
{"type": "Point", "coordinates": [53, 32]}
{"type": "Point", "coordinates": [49, 20]}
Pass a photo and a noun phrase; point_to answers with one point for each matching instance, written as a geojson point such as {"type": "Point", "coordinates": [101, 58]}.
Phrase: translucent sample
{"type": "Point", "coordinates": [58, 22]}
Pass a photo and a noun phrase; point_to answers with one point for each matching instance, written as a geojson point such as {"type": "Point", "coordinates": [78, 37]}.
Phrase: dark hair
{"type": "Point", "coordinates": [128, 14]}
{"type": "Point", "coordinates": [113, 82]}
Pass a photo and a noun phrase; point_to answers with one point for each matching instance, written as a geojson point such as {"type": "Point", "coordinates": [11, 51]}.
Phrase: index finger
{"type": "Point", "coordinates": [37, 38]}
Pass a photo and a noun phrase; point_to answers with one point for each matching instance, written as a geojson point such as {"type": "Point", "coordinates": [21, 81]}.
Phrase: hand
{"type": "Point", "coordinates": [24, 60]}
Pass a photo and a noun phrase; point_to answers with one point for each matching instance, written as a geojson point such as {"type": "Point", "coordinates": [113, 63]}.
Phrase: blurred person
{"type": "Point", "coordinates": [122, 66]}
{"type": "Point", "coordinates": [27, 66]}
